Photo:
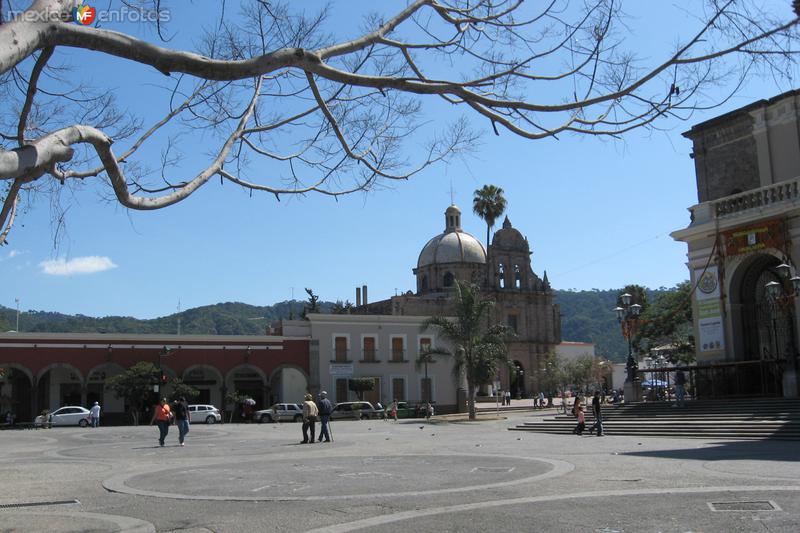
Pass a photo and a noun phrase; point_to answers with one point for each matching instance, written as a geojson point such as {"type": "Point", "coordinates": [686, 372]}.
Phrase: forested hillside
{"type": "Point", "coordinates": [586, 316]}
{"type": "Point", "coordinates": [230, 318]}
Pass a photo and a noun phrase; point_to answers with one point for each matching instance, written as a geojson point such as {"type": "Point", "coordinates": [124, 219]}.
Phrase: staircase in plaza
{"type": "Point", "coordinates": [762, 418]}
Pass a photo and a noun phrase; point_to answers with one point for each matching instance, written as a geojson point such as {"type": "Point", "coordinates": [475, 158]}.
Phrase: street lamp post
{"type": "Point", "coordinates": [782, 294]}
{"type": "Point", "coordinates": [628, 317]}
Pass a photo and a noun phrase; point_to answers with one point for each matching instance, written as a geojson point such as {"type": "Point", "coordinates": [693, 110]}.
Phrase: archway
{"type": "Point", "coordinates": [250, 381]}
{"type": "Point", "coordinates": [766, 329]}
{"type": "Point", "coordinates": [59, 384]}
{"type": "Point", "coordinates": [16, 392]}
{"type": "Point", "coordinates": [287, 384]}
{"type": "Point", "coordinates": [762, 330]}
{"type": "Point", "coordinates": [208, 381]}
{"type": "Point", "coordinates": [96, 388]}
{"type": "Point", "coordinates": [517, 380]}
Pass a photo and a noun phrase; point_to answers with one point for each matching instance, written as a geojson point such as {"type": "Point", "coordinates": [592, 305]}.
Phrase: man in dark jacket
{"type": "Point", "coordinates": [598, 416]}
{"type": "Point", "coordinates": [325, 408]}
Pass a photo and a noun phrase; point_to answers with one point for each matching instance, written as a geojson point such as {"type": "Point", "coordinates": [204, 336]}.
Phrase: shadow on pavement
{"type": "Point", "coordinates": [730, 450]}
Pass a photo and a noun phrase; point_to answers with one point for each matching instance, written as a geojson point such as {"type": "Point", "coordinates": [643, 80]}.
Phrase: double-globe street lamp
{"type": "Point", "coordinates": [781, 295]}
{"type": "Point", "coordinates": [628, 317]}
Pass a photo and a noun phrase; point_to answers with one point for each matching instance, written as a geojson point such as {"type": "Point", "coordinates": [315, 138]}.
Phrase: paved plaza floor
{"type": "Point", "coordinates": [386, 476]}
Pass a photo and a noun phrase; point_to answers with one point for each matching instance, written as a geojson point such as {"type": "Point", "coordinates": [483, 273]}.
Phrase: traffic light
{"type": "Point", "coordinates": [164, 378]}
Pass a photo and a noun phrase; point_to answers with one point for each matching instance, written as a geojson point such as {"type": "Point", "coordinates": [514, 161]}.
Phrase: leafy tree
{"type": "Point", "coordinates": [179, 389]}
{"type": "Point", "coordinates": [278, 82]}
{"type": "Point", "coordinates": [342, 308]}
{"type": "Point", "coordinates": [312, 306]}
{"type": "Point", "coordinates": [669, 322]}
{"type": "Point", "coordinates": [236, 398]}
{"type": "Point", "coordinates": [360, 386]}
{"type": "Point", "coordinates": [135, 386]}
{"type": "Point", "coordinates": [477, 352]}
{"type": "Point", "coordinates": [489, 204]}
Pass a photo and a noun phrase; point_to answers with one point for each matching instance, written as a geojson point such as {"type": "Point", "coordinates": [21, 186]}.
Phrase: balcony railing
{"type": "Point", "coordinates": [757, 198]}
{"type": "Point", "coordinates": [370, 355]}
{"type": "Point", "coordinates": [398, 355]}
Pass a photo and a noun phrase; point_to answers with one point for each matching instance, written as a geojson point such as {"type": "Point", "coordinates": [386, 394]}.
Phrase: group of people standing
{"type": "Point", "coordinates": [165, 414]}
{"type": "Point", "coordinates": [316, 411]}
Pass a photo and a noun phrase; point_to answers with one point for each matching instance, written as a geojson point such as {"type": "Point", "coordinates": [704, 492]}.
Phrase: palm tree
{"type": "Point", "coordinates": [489, 204]}
{"type": "Point", "coordinates": [477, 352]}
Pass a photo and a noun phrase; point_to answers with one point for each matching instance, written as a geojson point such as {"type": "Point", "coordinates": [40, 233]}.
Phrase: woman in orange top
{"type": "Point", "coordinates": [162, 416]}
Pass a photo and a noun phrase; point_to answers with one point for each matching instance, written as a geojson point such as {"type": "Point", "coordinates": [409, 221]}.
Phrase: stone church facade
{"type": "Point", "coordinates": [744, 235]}
{"type": "Point", "coordinates": [523, 300]}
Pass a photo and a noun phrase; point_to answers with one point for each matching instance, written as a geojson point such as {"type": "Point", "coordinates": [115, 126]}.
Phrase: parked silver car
{"type": "Point", "coordinates": [70, 415]}
{"type": "Point", "coordinates": [204, 414]}
{"type": "Point", "coordinates": [280, 412]}
{"type": "Point", "coordinates": [356, 410]}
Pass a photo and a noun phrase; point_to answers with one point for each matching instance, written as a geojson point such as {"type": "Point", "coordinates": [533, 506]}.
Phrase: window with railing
{"type": "Point", "coordinates": [370, 354]}
{"type": "Point", "coordinates": [398, 349]}
{"type": "Point", "coordinates": [340, 349]}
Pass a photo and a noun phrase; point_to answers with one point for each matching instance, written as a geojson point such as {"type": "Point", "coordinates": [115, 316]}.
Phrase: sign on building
{"type": "Point", "coordinates": [341, 369]}
{"type": "Point", "coordinates": [709, 310]}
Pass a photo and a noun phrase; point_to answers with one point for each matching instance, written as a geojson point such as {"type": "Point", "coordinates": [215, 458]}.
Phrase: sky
{"type": "Point", "coordinates": [597, 213]}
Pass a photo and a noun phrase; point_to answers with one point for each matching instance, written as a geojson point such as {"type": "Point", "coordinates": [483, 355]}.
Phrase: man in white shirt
{"type": "Point", "coordinates": [95, 410]}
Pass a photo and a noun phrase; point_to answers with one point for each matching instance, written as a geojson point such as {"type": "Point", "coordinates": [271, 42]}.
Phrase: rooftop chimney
{"type": "Point", "coordinates": [364, 293]}
{"type": "Point", "coordinates": [358, 296]}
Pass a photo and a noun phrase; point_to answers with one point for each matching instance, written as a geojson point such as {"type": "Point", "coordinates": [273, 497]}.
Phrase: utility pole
{"type": "Point", "coordinates": [17, 301]}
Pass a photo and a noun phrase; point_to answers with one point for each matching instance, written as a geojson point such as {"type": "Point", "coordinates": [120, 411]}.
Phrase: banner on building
{"type": "Point", "coordinates": [711, 335]}
{"type": "Point", "coordinates": [768, 234]}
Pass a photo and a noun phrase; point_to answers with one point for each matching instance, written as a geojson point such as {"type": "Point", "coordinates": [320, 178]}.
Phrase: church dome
{"type": "Point", "coordinates": [452, 246]}
{"type": "Point", "coordinates": [509, 238]}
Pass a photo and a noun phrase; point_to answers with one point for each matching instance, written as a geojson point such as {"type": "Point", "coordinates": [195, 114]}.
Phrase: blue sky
{"type": "Point", "coordinates": [597, 213]}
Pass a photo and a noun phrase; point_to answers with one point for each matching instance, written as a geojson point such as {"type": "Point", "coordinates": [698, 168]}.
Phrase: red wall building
{"type": "Point", "coordinates": [48, 370]}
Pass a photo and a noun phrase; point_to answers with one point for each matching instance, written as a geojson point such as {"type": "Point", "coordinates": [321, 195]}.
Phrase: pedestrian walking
{"type": "Point", "coordinates": [508, 397]}
{"type": "Point", "coordinates": [95, 412]}
{"type": "Point", "coordinates": [310, 414]}
{"type": "Point", "coordinates": [578, 411]}
{"type": "Point", "coordinates": [598, 415]}
{"type": "Point", "coordinates": [162, 416]}
{"type": "Point", "coordinates": [394, 410]}
{"type": "Point", "coordinates": [680, 388]}
{"type": "Point", "coordinates": [325, 407]}
{"type": "Point", "coordinates": [181, 411]}
{"type": "Point", "coordinates": [541, 400]}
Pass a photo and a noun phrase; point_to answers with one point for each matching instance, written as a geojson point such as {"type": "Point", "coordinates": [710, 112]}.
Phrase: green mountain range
{"type": "Point", "coordinates": [586, 316]}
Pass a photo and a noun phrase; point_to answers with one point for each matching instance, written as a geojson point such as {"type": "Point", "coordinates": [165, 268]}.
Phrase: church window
{"type": "Point", "coordinates": [511, 321]}
{"type": "Point", "coordinates": [517, 277]}
{"type": "Point", "coordinates": [449, 279]}
{"type": "Point", "coordinates": [501, 273]}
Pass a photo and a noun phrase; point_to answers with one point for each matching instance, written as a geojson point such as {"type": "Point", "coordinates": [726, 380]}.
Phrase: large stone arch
{"type": "Point", "coordinates": [60, 384]}
{"type": "Point", "coordinates": [249, 380]}
{"type": "Point", "coordinates": [287, 383]}
{"type": "Point", "coordinates": [16, 392]}
{"type": "Point", "coordinates": [96, 390]}
{"type": "Point", "coordinates": [758, 330]}
{"type": "Point", "coordinates": [208, 380]}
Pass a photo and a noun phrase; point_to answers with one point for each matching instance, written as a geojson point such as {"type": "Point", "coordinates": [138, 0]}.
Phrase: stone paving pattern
{"type": "Point", "coordinates": [386, 476]}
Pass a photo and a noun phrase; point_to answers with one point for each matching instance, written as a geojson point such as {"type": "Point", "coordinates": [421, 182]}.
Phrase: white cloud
{"type": "Point", "coordinates": [78, 265]}
{"type": "Point", "coordinates": [13, 253]}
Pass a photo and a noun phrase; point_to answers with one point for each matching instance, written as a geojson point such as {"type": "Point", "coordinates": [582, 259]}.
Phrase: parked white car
{"type": "Point", "coordinates": [280, 412]}
{"type": "Point", "coordinates": [207, 414]}
{"type": "Point", "coordinates": [70, 415]}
